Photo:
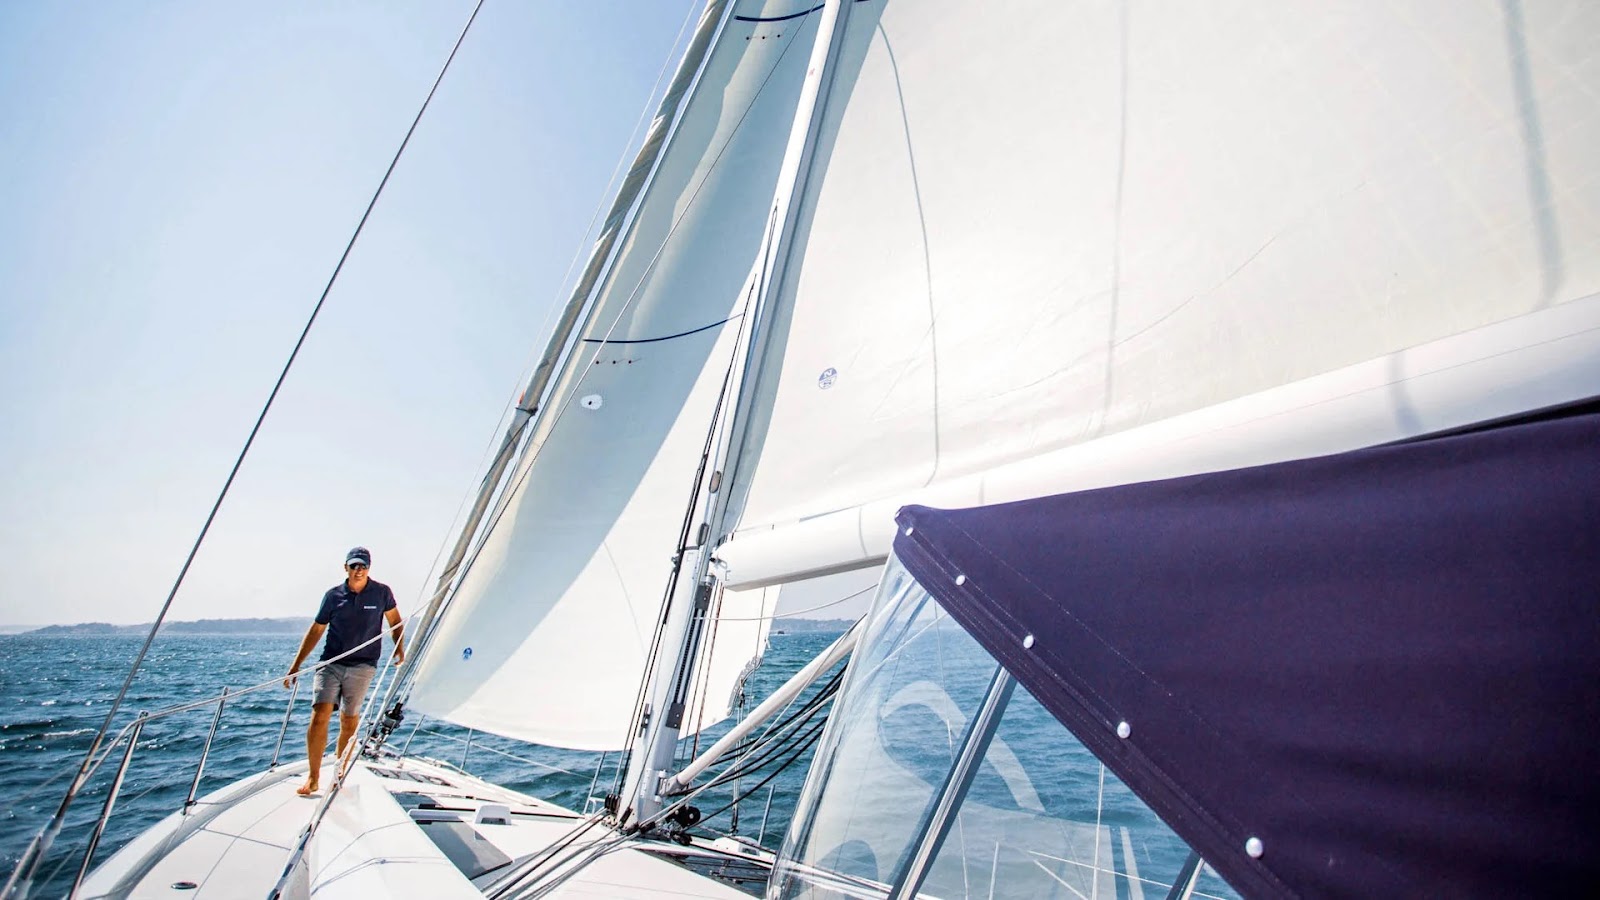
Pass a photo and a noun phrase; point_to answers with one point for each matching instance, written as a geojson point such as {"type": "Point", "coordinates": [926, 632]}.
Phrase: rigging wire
{"type": "Point", "coordinates": [7, 810]}
{"type": "Point", "coordinates": [799, 751]}
{"type": "Point", "coordinates": [794, 613]}
{"type": "Point", "coordinates": [66, 857]}
{"type": "Point", "coordinates": [549, 862]}
{"type": "Point", "coordinates": [480, 746]}
{"type": "Point", "coordinates": [771, 729]}
{"type": "Point", "coordinates": [702, 663]}
{"type": "Point", "coordinates": [762, 754]}
{"type": "Point", "coordinates": [801, 737]}
{"type": "Point", "coordinates": [532, 864]}
{"type": "Point", "coordinates": [823, 694]}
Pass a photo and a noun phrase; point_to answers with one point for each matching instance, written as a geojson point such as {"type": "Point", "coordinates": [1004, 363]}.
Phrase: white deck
{"type": "Point", "coordinates": [236, 842]}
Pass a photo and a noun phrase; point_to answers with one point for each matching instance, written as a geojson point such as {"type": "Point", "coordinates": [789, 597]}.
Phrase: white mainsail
{"type": "Point", "coordinates": [1041, 226]}
{"type": "Point", "coordinates": [548, 636]}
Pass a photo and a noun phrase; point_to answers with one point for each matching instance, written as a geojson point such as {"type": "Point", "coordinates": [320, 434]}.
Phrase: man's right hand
{"type": "Point", "coordinates": [289, 680]}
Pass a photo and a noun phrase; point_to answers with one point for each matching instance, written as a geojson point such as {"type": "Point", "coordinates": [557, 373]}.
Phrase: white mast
{"type": "Point", "coordinates": [668, 691]}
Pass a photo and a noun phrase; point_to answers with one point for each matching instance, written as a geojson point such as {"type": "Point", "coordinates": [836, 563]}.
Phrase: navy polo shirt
{"type": "Point", "coordinates": [354, 617]}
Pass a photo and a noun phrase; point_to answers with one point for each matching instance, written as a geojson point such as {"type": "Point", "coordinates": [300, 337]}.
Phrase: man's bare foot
{"type": "Point", "coordinates": [307, 789]}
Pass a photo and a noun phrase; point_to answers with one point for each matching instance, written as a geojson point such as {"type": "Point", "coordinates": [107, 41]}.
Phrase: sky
{"type": "Point", "coordinates": [177, 181]}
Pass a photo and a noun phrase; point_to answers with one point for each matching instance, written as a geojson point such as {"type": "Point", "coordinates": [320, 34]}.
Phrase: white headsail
{"type": "Point", "coordinates": [548, 635]}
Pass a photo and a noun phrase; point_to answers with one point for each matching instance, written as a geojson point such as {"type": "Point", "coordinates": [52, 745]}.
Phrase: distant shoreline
{"type": "Point", "coordinates": [298, 626]}
{"type": "Point", "coordinates": [201, 626]}
{"type": "Point", "coordinates": [811, 626]}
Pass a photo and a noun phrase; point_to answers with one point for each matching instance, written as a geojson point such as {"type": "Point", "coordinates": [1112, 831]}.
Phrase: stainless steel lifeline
{"type": "Point", "coordinates": [27, 868]}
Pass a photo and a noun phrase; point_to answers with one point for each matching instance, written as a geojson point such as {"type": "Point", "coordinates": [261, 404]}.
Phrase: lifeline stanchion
{"type": "Point", "coordinates": [194, 786]}
{"type": "Point", "coordinates": [294, 690]}
{"type": "Point", "coordinates": [111, 800]}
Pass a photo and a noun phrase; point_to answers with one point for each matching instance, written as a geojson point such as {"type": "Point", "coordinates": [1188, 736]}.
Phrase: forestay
{"type": "Point", "coordinates": [547, 637]}
{"type": "Point", "coordinates": [1036, 228]}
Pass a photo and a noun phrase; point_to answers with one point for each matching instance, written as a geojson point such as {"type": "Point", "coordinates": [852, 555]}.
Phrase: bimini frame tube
{"type": "Point", "coordinates": [981, 733]}
{"type": "Point", "coordinates": [780, 698]}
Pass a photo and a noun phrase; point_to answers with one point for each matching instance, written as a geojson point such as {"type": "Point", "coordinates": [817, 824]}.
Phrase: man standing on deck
{"type": "Point", "coordinates": [352, 614]}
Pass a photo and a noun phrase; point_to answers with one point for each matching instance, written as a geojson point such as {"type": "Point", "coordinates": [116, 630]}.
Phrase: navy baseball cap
{"type": "Point", "coordinates": [358, 555]}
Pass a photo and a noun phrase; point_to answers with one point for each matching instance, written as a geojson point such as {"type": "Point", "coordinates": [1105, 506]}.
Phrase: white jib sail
{"type": "Point", "coordinates": [547, 637]}
{"type": "Point", "coordinates": [1041, 226]}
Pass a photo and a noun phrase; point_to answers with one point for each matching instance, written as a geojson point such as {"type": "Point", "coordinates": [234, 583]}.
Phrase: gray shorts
{"type": "Point", "coordinates": [344, 685]}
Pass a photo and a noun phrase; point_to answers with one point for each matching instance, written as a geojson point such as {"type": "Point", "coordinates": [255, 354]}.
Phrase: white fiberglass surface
{"type": "Point", "coordinates": [888, 742]}
{"type": "Point", "coordinates": [1041, 818]}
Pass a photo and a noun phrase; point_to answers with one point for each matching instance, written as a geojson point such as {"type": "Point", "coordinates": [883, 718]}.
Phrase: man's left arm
{"type": "Point", "coordinates": [397, 630]}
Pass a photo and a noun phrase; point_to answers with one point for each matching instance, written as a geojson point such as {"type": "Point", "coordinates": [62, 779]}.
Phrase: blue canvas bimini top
{"type": "Point", "coordinates": [1379, 670]}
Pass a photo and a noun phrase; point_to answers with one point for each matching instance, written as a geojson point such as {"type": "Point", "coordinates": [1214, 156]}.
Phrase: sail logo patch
{"type": "Point", "coordinates": [466, 654]}
{"type": "Point", "coordinates": [827, 378]}
{"type": "Point", "coordinates": [592, 401]}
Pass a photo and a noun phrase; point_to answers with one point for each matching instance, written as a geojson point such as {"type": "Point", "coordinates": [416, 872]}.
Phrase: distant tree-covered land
{"type": "Point", "coordinates": [202, 626]}
{"type": "Point", "coordinates": [811, 626]}
{"type": "Point", "coordinates": [298, 626]}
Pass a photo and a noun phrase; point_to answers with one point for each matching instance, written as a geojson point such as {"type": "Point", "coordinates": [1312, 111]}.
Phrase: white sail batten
{"type": "Point", "coordinates": [582, 550]}
{"type": "Point", "coordinates": [1040, 228]}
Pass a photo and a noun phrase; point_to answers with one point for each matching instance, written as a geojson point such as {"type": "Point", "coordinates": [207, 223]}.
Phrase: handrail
{"type": "Point", "coordinates": [283, 729]}
{"type": "Point", "coordinates": [105, 812]}
{"type": "Point", "coordinates": [22, 876]}
{"type": "Point", "coordinates": [200, 770]}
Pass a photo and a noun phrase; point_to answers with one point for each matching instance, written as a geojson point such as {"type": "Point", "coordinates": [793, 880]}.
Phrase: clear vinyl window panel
{"type": "Point", "coordinates": [1041, 817]}
{"type": "Point", "coordinates": [912, 685]}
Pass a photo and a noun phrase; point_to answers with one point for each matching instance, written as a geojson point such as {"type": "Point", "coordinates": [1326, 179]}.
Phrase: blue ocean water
{"type": "Point", "coordinates": [55, 690]}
